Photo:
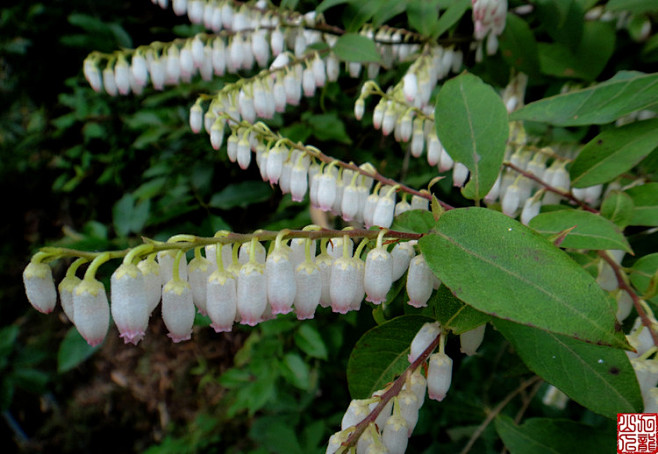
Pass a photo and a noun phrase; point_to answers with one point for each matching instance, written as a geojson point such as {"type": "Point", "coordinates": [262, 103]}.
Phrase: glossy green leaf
{"type": "Point", "coordinates": [129, 216]}
{"type": "Point", "coordinates": [518, 46]}
{"type": "Point", "coordinates": [72, 351]}
{"type": "Point", "coordinates": [562, 19]}
{"type": "Point", "coordinates": [327, 126]}
{"type": "Point", "coordinates": [356, 48]}
{"type": "Point", "coordinates": [241, 194]}
{"type": "Point", "coordinates": [453, 314]}
{"type": "Point", "coordinates": [597, 377]}
{"type": "Point", "coordinates": [645, 200]}
{"type": "Point", "coordinates": [618, 207]}
{"type": "Point", "coordinates": [506, 269]}
{"type": "Point", "coordinates": [414, 221]}
{"type": "Point", "coordinates": [633, 6]}
{"type": "Point", "coordinates": [590, 231]}
{"type": "Point", "coordinates": [8, 336]}
{"type": "Point", "coordinates": [600, 104]}
{"type": "Point", "coordinates": [296, 371]}
{"type": "Point", "coordinates": [450, 16]}
{"type": "Point", "coordinates": [381, 354]}
{"type": "Point", "coordinates": [326, 4]}
{"type": "Point", "coordinates": [552, 436]}
{"type": "Point", "coordinates": [613, 152]}
{"type": "Point", "coordinates": [471, 121]}
{"type": "Point", "coordinates": [643, 270]}
{"type": "Point", "coordinates": [422, 15]}
{"type": "Point", "coordinates": [308, 339]}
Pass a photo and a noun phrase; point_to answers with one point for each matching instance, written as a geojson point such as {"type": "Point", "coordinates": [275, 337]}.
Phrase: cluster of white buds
{"type": "Point", "coordinates": [385, 421]}
{"type": "Point", "coordinates": [234, 282]}
{"type": "Point", "coordinates": [489, 18]}
{"type": "Point", "coordinates": [405, 109]}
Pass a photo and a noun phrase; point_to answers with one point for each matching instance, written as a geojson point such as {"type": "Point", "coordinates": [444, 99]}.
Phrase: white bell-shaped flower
{"type": "Point", "coordinates": [178, 310]}
{"type": "Point", "coordinates": [378, 275]}
{"type": "Point", "coordinates": [109, 81]}
{"type": "Point", "coordinates": [93, 75]}
{"type": "Point", "coordinates": [360, 291]}
{"type": "Point", "coordinates": [401, 255]}
{"type": "Point", "coordinates": [218, 56]}
{"type": "Point", "coordinates": [420, 282]}
{"type": "Point", "coordinates": [122, 76]}
{"type": "Point", "coordinates": [410, 87]}
{"type": "Point", "coordinates": [139, 68]}
{"type": "Point", "coordinates": [385, 210]}
{"type": "Point", "coordinates": [281, 286]}
{"type": "Point", "coordinates": [470, 340]}
{"type": "Point", "coordinates": [222, 300]}
{"type": "Point", "coordinates": [252, 293]}
{"type": "Point", "coordinates": [152, 282]}
{"type": "Point", "coordinates": [327, 185]}
{"type": "Point", "coordinates": [324, 263]}
{"type": "Point", "coordinates": [343, 284]}
{"type": "Point", "coordinates": [439, 376]}
{"type": "Point", "coordinates": [199, 269]}
{"type": "Point", "coordinates": [531, 208]}
{"type": "Point", "coordinates": [394, 435]}
{"type": "Point", "coordinates": [166, 261]}
{"type": "Point", "coordinates": [309, 289]}
{"type": "Point", "coordinates": [356, 412]}
{"type": "Point", "coordinates": [130, 309]}
{"type": "Point", "coordinates": [511, 200]}
{"type": "Point", "coordinates": [40, 287]}
{"type": "Point", "coordinates": [275, 163]}
{"type": "Point", "coordinates": [65, 290]}
{"type": "Point", "coordinates": [91, 311]}
{"type": "Point", "coordinates": [423, 339]}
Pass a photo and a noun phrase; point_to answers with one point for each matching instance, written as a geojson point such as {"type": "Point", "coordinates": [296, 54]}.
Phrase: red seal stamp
{"type": "Point", "coordinates": [637, 433]}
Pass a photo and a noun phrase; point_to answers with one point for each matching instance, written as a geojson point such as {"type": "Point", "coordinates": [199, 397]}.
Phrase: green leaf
{"type": "Point", "coordinates": [356, 48]}
{"type": "Point", "coordinates": [422, 15]}
{"type": "Point", "coordinates": [241, 194]}
{"type": "Point", "coordinates": [128, 216]}
{"type": "Point", "coordinates": [6, 393]}
{"type": "Point", "coordinates": [326, 4]}
{"type": "Point", "coordinates": [518, 46]}
{"type": "Point", "coordinates": [388, 9]}
{"type": "Point", "coordinates": [597, 377]}
{"type": "Point", "coordinates": [327, 126]}
{"type": "Point", "coordinates": [358, 12]}
{"type": "Point", "coordinates": [452, 14]}
{"type": "Point", "coordinates": [552, 436]}
{"type": "Point", "coordinates": [633, 6]}
{"type": "Point", "coordinates": [8, 336]}
{"type": "Point", "coordinates": [29, 379]}
{"type": "Point", "coordinates": [613, 152]}
{"type": "Point", "coordinates": [453, 314]}
{"type": "Point", "coordinates": [600, 104]}
{"type": "Point", "coordinates": [276, 434]}
{"type": "Point", "coordinates": [471, 121]}
{"type": "Point", "coordinates": [72, 351]}
{"type": "Point", "coordinates": [562, 19]}
{"type": "Point", "coordinates": [506, 269]}
{"type": "Point", "coordinates": [645, 199]}
{"type": "Point", "coordinates": [308, 339]}
{"type": "Point", "coordinates": [591, 231]}
{"type": "Point", "coordinates": [381, 354]}
{"type": "Point", "coordinates": [618, 207]}
{"type": "Point", "coordinates": [296, 371]}
{"type": "Point", "coordinates": [643, 270]}
{"type": "Point", "coordinates": [414, 221]}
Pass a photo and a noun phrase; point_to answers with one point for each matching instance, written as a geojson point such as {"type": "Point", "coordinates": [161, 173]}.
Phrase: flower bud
{"type": "Point", "coordinates": [423, 338]}
{"type": "Point", "coordinates": [471, 340]}
{"type": "Point", "coordinates": [65, 288]}
{"type": "Point", "coordinates": [252, 293]}
{"type": "Point", "coordinates": [129, 303]}
{"type": "Point", "coordinates": [420, 282]}
{"type": "Point", "coordinates": [222, 300]}
{"type": "Point", "coordinates": [91, 311]}
{"type": "Point", "coordinates": [531, 208]}
{"type": "Point", "coordinates": [281, 286]}
{"type": "Point", "coordinates": [445, 163]}
{"type": "Point", "coordinates": [439, 376]}
{"type": "Point", "coordinates": [511, 200]}
{"type": "Point", "coordinates": [92, 74]}
{"type": "Point", "coordinates": [359, 108]}
{"type": "Point", "coordinates": [378, 275]}
{"type": "Point", "coordinates": [395, 436]}
{"type": "Point", "coordinates": [40, 287]}
{"type": "Point", "coordinates": [199, 271]}
{"type": "Point", "coordinates": [459, 175]}
{"type": "Point", "coordinates": [196, 118]}
{"type": "Point", "coordinates": [343, 284]}
{"type": "Point", "coordinates": [410, 86]}
{"type": "Point", "coordinates": [178, 310]}
{"type": "Point", "coordinates": [333, 67]}
{"type": "Point", "coordinates": [356, 412]}
{"type": "Point", "coordinates": [152, 283]}
{"type": "Point", "coordinates": [419, 203]}
{"type": "Point", "coordinates": [309, 290]}
{"type": "Point", "coordinates": [401, 255]}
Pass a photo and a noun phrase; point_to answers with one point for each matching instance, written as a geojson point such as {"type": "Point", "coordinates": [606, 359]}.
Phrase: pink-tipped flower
{"type": "Point", "coordinates": [401, 254]}
{"type": "Point", "coordinates": [222, 300]}
{"type": "Point", "coordinates": [410, 86]}
{"type": "Point", "coordinates": [324, 263]}
{"type": "Point", "coordinates": [327, 187]}
{"type": "Point", "coordinates": [309, 290]}
{"type": "Point", "coordinates": [252, 293]}
{"type": "Point", "coordinates": [281, 286]}
{"type": "Point", "coordinates": [356, 412]}
{"type": "Point", "coordinates": [166, 261]}
{"type": "Point", "coordinates": [178, 310]}
{"type": "Point", "coordinates": [423, 338]}
{"type": "Point", "coordinates": [343, 284]}
{"type": "Point", "coordinates": [378, 275]}
{"type": "Point", "coordinates": [360, 291]}
{"type": "Point", "coordinates": [93, 75]}
{"type": "Point", "coordinates": [395, 434]}
{"type": "Point", "coordinates": [439, 376]}
{"type": "Point", "coordinates": [196, 118]}
{"type": "Point", "coordinates": [129, 303]}
{"type": "Point", "coordinates": [420, 282]}
{"type": "Point", "coordinates": [91, 311]}
{"type": "Point", "coordinates": [40, 287]}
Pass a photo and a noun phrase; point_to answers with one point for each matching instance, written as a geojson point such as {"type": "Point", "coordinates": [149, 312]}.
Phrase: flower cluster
{"type": "Point", "coordinates": [385, 421]}
{"type": "Point", "coordinates": [489, 22]}
{"type": "Point", "coordinates": [236, 281]}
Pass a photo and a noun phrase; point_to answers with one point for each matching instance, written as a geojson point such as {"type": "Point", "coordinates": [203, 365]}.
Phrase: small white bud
{"type": "Point", "coordinates": [130, 309]}
{"type": "Point", "coordinates": [422, 340]}
{"type": "Point", "coordinates": [439, 376]}
{"type": "Point", "coordinates": [281, 286]}
{"type": "Point", "coordinates": [252, 293]}
{"type": "Point", "coordinates": [420, 282]}
{"type": "Point", "coordinates": [309, 290]}
{"type": "Point", "coordinates": [378, 275]}
{"type": "Point", "coordinates": [40, 287]}
{"type": "Point", "coordinates": [470, 340]}
{"type": "Point", "coordinates": [91, 311]}
{"type": "Point", "coordinates": [222, 300]}
{"type": "Point", "coordinates": [178, 310]}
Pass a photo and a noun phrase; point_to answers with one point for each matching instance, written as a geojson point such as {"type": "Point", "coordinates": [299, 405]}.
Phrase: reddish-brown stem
{"type": "Point", "coordinates": [390, 393]}
{"type": "Point", "coordinates": [548, 187]}
{"type": "Point", "coordinates": [623, 284]}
